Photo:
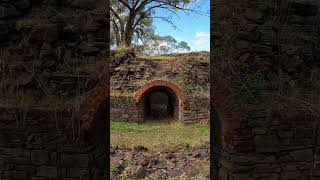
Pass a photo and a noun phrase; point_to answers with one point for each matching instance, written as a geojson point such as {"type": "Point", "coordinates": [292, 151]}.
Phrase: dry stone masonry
{"type": "Point", "coordinates": [48, 144]}
{"type": "Point", "coordinates": [45, 49]}
{"type": "Point", "coordinates": [48, 47]}
{"type": "Point", "coordinates": [184, 77]}
{"type": "Point", "coordinates": [266, 130]}
{"type": "Point", "coordinates": [272, 46]}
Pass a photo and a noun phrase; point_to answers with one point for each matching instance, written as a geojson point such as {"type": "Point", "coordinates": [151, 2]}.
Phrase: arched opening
{"type": "Point", "coordinates": [159, 103]}
{"type": "Point", "coordinates": [159, 100]}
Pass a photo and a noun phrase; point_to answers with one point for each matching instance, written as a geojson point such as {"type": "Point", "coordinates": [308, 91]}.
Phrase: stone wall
{"type": "Point", "coordinates": [49, 144]}
{"type": "Point", "coordinates": [182, 74]}
{"type": "Point", "coordinates": [123, 108]}
{"type": "Point", "coordinates": [189, 71]}
{"type": "Point", "coordinates": [51, 47]}
{"type": "Point", "coordinates": [196, 108]}
{"type": "Point", "coordinates": [277, 138]}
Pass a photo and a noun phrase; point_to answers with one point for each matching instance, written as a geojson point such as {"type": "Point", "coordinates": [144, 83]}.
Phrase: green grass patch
{"type": "Point", "coordinates": [156, 135]}
{"type": "Point", "coordinates": [202, 128]}
{"type": "Point", "coordinates": [125, 125]}
{"type": "Point", "coordinates": [21, 99]}
{"type": "Point", "coordinates": [155, 57]}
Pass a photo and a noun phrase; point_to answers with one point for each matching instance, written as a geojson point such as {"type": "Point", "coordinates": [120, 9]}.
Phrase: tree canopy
{"type": "Point", "coordinates": [131, 21]}
{"type": "Point", "coordinates": [162, 45]}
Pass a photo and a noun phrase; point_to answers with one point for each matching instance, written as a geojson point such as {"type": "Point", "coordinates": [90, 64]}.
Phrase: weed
{"type": "Point", "coordinates": [189, 88]}
{"type": "Point", "coordinates": [119, 169]}
{"type": "Point", "coordinates": [219, 52]}
{"type": "Point", "coordinates": [251, 86]}
{"type": "Point", "coordinates": [122, 177]}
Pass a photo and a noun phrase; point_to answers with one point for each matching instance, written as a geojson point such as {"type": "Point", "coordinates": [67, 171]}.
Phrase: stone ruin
{"type": "Point", "coordinates": [262, 141]}
{"type": "Point", "coordinates": [39, 40]}
{"type": "Point", "coordinates": [276, 137]}
{"type": "Point", "coordinates": [181, 79]}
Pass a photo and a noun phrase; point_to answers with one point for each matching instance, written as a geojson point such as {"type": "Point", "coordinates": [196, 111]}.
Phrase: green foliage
{"type": "Point", "coordinates": [131, 21]}
{"type": "Point", "coordinates": [151, 134]}
{"type": "Point", "coordinates": [251, 86]}
{"type": "Point", "coordinates": [122, 177]}
{"type": "Point", "coordinates": [119, 169]}
{"type": "Point", "coordinates": [202, 128]}
{"type": "Point", "coordinates": [184, 46]}
{"type": "Point", "coordinates": [24, 99]}
{"type": "Point", "coordinates": [219, 52]}
{"type": "Point", "coordinates": [124, 125]}
{"type": "Point", "coordinates": [157, 44]}
{"type": "Point", "coordinates": [122, 49]}
{"type": "Point", "coordinates": [189, 88]}
{"type": "Point", "coordinates": [58, 101]}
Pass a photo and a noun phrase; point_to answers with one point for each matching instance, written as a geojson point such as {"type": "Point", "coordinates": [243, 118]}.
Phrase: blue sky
{"type": "Point", "coordinates": [192, 28]}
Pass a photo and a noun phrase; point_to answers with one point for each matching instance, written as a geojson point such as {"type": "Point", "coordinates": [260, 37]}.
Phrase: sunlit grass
{"type": "Point", "coordinates": [156, 136]}
{"type": "Point", "coordinates": [155, 57]}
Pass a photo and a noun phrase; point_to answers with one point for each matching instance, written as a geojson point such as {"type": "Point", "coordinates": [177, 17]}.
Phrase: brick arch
{"type": "Point", "coordinates": [147, 87]}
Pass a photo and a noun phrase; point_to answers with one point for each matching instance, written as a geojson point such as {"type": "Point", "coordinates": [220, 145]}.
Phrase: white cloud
{"type": "Point", "coordinates": [201, 41]}
{"type": "Point", "coordinates": [165, 44]}
{"type": "Point", "coordinates": [201, 38]}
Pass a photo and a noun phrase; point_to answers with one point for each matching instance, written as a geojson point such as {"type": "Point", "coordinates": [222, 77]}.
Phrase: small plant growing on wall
{"type": "Point", "coordinates": [118, 169]}
{"type": "Point", "coordinates": [250, 87]}
{"type": "Point", "coordinates": [189, 88]}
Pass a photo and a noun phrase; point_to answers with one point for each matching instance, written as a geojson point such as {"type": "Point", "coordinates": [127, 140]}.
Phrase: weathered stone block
{"type": "Point", "coordinates": [267, 143]}
{"type": "Point", "coordinates": [47, 171]}
{"type": "Point", "coordinates": [8, 11]}
{"type": "Point", "coordinates": [39, 157]}
{"type": "Point", "coordinates": [76, 172]}
{"type": "Point", "coordinates": [77, 160]}
{"type": "Point", "coordinates": [303, 155]}
{"type": "Point", "coordinates": [14, 174]}
{"type": "Point", "coordinates": [39, 178]}
{"type": "Point", "coordinates": [266, 176]}
{"type": "Point", "coordinates": [241, 177]}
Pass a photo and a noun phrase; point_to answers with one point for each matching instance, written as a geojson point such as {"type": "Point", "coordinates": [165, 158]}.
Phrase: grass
{"type": "Point", "coordinates": [155, 57]}
{"type": "Point", "coordinates": [119, 93]}
{"type": "Point", "coordinates": [156, 136]}
{"type": "Point", "coordinates": [21, 99]}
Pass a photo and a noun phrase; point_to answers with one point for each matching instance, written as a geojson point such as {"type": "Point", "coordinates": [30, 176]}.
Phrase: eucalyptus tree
{"type": "Point", "coordinates": [163, 45]}
{"type": "Point", "coordinates": [132, 19]}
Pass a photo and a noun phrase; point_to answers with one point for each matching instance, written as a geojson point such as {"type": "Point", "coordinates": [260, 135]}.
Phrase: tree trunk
{"type": "Point", "coordinates": [128, 37]}
{"type": "Point", "coordinates": [117, 33]}
{"type": "Point", "coordinates": [128, 34]}
{"type": "Point", "coordinates": [117, 40]}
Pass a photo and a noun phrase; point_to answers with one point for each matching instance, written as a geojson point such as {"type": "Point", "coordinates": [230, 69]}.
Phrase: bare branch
{"type": "Point", "coordinates": [118, 17]}
{"type": "Point", "coordinates": [166, 19]}
{"type": "Point", "coordinates": [126, 4]}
